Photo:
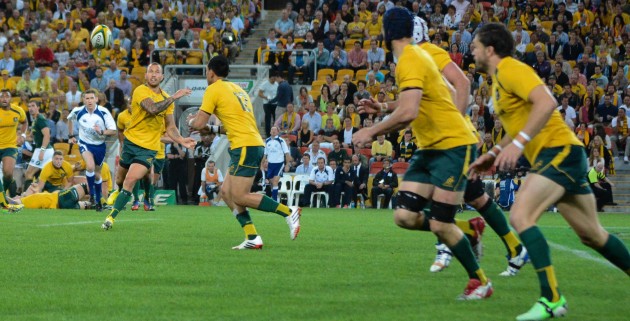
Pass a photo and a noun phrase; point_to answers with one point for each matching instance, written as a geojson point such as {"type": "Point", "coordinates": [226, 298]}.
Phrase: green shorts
{"type": "Point", "coordinates": [9, 152]}
{"type": "Point", "coordinates": [158, 165]}
{"type": "Point", "coordinates": [566, 166]}
{"type": "Point", "coordinates": [69, 198]}
{"type": "Point", "coordinates": [133, 153]}
{"type": "Point", "coordinates": [443, 168]}
{"type": "Point", "coordinates": [48, 187]}
{"type": "Point", "coordinates": [245, 161]}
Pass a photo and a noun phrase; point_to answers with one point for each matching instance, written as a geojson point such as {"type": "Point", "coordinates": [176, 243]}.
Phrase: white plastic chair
{"type": "Point", "coordinates": [380, 198]}
{"type": "Point", "coordinates": [319, 195]}
{"type": "Point", "coordinates": [285, 185]}
{"type": "Point", "coordinates": [299, 184]}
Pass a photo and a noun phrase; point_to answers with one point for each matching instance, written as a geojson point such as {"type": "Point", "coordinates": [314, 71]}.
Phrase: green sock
{"type": "Point", "coordinates": [152, 194]}
{"type": "Point", "coordinates": [617, 253]}
{"type": "Point", "coordinates": [464, 254]}
{"type": "Point", "coordinates": [147, 188]}
{"type": "Point", "coordinates": [27, 183]}
{"type": "Point", "coordinates": [121, 201]}
{"type": "Point", "coordinates": [136, 191]}
{"type": "Point", "coordinates": [494, 216]}
{"type": "Point", "coordinates": [246, 223]}
{"type": "Point", "coordinates": [3, 201]}
{"type": "Point", "coordinates": [267, 204]}
{"type": "Point", "coordinates": [12, 188]}
{"type": "Point", "coordinates": [540, 256]}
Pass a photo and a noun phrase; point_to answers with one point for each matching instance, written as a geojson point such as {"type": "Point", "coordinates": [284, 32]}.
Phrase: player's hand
{"type": "Point", "coordinates": [182, 92]}
{"type": "Point", "coordinates": [369, 106]}
{"type": "Point", "coordinates": [480, 165]}
{"type": "Point", "coordinates": [72, 140]}
{"type": "Point", "coordinates": [188, 142]}
{"type": "Point", "coordinates": [41, 155]}
{"type": "Point", "coordinates": [362, 136]}
{"type": "Point", "coordinates": [508, 158]}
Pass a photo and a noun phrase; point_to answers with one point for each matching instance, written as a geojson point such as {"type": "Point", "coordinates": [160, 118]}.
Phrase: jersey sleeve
{"type": "Point", "coordinates": [520, 79]}
{"type": "Point", "coordinates": [109, 120]}
{"type": "Point", "coordinates": [285, 148]}
{"type": "Point", "coordinates": [68, 169]}
{"type": "Point", "coordinates": [120, 122]}
{"type": "Point", "coordinates": [22, 117]}
{"type": "Point", "coordinates": [46, 172]}
{"type": "Point", "coordinates": [203, 174]}
{"type": "Point", "coordinates": [139, 95]}
{"type": "Point", "coordinates": [208, 103]}
{"type": "Point", "coordinates": [41, 123]}
{"type": "Point", "coordinates": [408, 75]}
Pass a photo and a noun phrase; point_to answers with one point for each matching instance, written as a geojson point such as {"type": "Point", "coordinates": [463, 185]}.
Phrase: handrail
{"type": "Point", "coordinates": [314, 51]}
{"type": "Point", "coordinates": [203, 57]}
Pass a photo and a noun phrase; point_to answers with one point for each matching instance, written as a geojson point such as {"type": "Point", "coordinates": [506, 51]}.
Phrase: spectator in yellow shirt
{"type": "Point", "coordinates": [381, 150]}
{"type": "Point", "coordinates": [373, 28]}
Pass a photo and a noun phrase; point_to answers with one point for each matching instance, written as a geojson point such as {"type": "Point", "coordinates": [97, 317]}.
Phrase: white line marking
{"type": "Point", "coordinates": [567, 227]}
{"type": "Point", "coordinates": [95, 222]}
{"type": "Point", "coordinates": [581, 254]}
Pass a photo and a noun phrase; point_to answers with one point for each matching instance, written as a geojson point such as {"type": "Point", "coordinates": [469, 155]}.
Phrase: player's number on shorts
{"type": "Point", "coordinates": [243, 99]}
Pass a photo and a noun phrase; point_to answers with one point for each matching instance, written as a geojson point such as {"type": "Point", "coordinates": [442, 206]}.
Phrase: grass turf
{"type": "Point", "coordinates": [177, 264]}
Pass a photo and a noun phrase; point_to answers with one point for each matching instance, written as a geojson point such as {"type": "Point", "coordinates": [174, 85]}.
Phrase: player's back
{"type": "Point", "coordinates": [233, 107]}
{"type": "Point", "coordinates": [511, 85]}
{"type": "Point", "coordinates": [439, 124]}
{"type": "Point", "coordinates": [43, 200]}
{"type": "Point", "coordinates": [9, 121]}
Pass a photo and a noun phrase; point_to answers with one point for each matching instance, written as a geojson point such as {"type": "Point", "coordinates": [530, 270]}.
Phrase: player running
{"type": "Point", "coordinates": [232, 105]}
{"type": "Point", "coordinates": [42, 147]}
{"type": "Point", "coordinates": [95, 124]}
{"type": "Point", "coordinates": [535, 129]}
{"type": "Point", "coordinates": [438, 169]}
{"type": "Point", "coordinates": [475, 194]}
{"type": "Point", "coordinates": [151, 111]}
{"type": "Point", "coordinates": [11, 117]}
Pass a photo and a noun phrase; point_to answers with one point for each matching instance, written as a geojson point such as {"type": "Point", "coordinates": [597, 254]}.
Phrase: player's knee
{"type": "Point", "coordinates": [481, 203]}
{"type": "Point", "coordinates": [408, 207]}
{"type": "Point", "coordinates": [443, 212]}
{"type": "Point", "coordinates": [594, 237]}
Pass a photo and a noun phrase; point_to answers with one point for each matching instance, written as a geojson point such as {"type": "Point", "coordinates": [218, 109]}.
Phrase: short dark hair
{"type": "Point", "coordinates": [58, 153]}
{"type": "Point", "coordinates": [496, 35]}
{"type": "Point", "coordinates": [220, 66]}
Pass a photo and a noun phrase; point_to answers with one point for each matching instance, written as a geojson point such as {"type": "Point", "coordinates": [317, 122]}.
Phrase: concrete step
{"type": "Point", "coordinates": [623, 209]}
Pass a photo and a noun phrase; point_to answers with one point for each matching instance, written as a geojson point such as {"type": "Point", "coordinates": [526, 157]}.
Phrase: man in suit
{"type": "Point", "coordinates": [343, 184]}
{"type": "Point", "coordinates": [385, 182]}
{"type": "Point", "coordinates": [359, 178]}
{"type": "Point", "coordinates": [115, 96]}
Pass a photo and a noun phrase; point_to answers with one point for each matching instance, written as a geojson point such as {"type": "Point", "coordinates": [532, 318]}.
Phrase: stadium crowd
{"type": "Point", "coordinates": [580, 49]}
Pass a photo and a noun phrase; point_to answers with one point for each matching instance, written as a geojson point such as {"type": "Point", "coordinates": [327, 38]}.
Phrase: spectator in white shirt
{"type": "Point", "coordinates": [320, 180]}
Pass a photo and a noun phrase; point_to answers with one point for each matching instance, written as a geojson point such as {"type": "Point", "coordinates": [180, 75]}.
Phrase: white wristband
{"type": "Point", "coordinates": [493, 154]}
{"type": "Point", "coordinates": [498, 147]}
{"type": "Point", "coordinates": [524, 135]}
{"type": "Point", "coordinates": [190, 122]}
{"type": "Point", "coordinates": [518, 144]}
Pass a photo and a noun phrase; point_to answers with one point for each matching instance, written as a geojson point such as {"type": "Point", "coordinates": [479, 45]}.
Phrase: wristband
{"type": "Point", "coordinates": [518, 144]}
{"type": "Point", "coordinates": [190, 122]}
{"type": "Point", "coordinates": [498, 147]}
{"type": "Point", "coordinates": [522, 134]}
{"type": "Point", "coordinates": [493, 154]}
{"type": "Point", "coordinates": [42, 149]}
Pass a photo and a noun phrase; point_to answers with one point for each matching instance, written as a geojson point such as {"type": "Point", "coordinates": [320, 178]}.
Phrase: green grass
{"type": "Point", "coordinates": [177, 264]}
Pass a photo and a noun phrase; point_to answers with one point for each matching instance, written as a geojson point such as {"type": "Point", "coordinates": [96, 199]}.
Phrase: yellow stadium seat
{"type": "Point", "coordinates": [343, 72]}
{"type": "Point", "coordinates": [317, 84]}
{"type": "Point", "coordinates": [315, 93]}
{"type": "Point", "coordinates": [361, 73]}
{"type": "Point", "coordinates": [63, 147]}
{"type": "Point", "coordinates": [322, 73]}
{"type": "Point", "coordinates": [547, 25]}
{"type": "Point", "coordinates": [350, 44]}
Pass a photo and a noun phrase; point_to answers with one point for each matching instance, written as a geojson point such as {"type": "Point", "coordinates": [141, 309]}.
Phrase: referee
{"type": "Point", "coordinates": [276, 152]}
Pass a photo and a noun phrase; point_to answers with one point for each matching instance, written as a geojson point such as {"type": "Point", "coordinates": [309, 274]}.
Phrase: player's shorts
{"type": "Point", "coordinates": [245, 161]}
{"type": "Point", "coordinates": [274, 169]}
{"type": "Point", "coordinates": [48, 155]}
{"type": "Point", "coordinates": [9, 152]}
{"type": "Point", "coordinates": [69, 198]}
{"type": "Point", "coordinates": [474, 190]}
{"type": "Point", "coordinates": [565, 166]}
{"type": "Point", "coordinates": [443, 168]}
{"type": "Point", "coordinates": [158, 165]}
{"type": "Point", "coordinates": [51, 188]}
{"type": "Point", "coordinates": [133, 153]}
{"type": "Point", "coordinates": [98, 151]}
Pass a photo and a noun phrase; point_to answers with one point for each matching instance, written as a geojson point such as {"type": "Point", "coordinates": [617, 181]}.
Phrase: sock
{"type": "Point", "coordinates": [494, 216]}
{"type": "Point", "coordinates": [464, 254]}
{"type": "Point", "coordinates": [136, 191]}
{"type": "Point", "coordinates": [121, 201]}
{"type": "Point", "coordinates": [7, 181]}
{"type": "Point", "coordinates": [617, 253]}
{"type": "Point", "coordinates": [269, 205]}
{"type": "Point", "coordinates": [274, 193]}
{"type": "Point", "coordinates": [152, 194]}
{"type": "Point", "coordinates": [3, 201]}
{"type": "Point", "coordinates": [13, 188]}
{"type": "Point", "coordinates": [98, 190]}
{"type": "Point", "coordinates": [27, 184]}
{"type": "Point", "coordinates": [540, 256]}
{"type": "Point", "coordinates": [147, 189]}
{"type": "Point", "coordinates": [90, 182]}
{"type": "Point", "coordinates": [246, 223]}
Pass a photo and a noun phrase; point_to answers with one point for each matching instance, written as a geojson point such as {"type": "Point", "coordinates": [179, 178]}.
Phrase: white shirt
{"type": "Point", "coordinates": [320, 153]}
{"type": "Point", "coordinates": [347, 136]}
{"type": "Point", "coordinates": [204, 171]}
{"type": "Point", "coordinates": [269, 90]}
{"type": "Point", "coordinates": [322, 176]}
{"type": "Point", "coordinates": [275, 148]}
{"type": "Point", "coordinates": [570, 114]}
{"type": "Point", "coordinates": [613, 123]}
{"type": "Point", "coordinates": [73, 98]}
{"type": "Point", "coordinates": [86, 121]}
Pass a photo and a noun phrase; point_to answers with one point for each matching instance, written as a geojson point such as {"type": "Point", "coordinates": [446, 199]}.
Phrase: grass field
{"type": "Point", "coordinates": [177, 264]}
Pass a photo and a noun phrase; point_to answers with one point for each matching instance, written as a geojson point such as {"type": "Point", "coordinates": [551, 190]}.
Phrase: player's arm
{"type": "Point", "coordinates": [200, 122]}
{"type": "Point", "coordinates": [121, 135]}
{"type": "Point", "coordinates": [45, 140]}
{"type": "Point", "coordinates": [166, 139]}
{"type": "Point", "coordinates": [110, 125]}
{"type": "Point", "coordinates": [456, 77]}
{"type": "Point", "coordinates": [155, 108]}
{"type": "Point", "coordinates": [174, 134]}
{"type": "Point", "coordinates": [24, 126]}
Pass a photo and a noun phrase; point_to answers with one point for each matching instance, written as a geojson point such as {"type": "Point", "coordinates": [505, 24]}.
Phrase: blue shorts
{"type": "Point", "coordinates": [275, 169]}
{"type": "Point", "coordinates": [98, 151]}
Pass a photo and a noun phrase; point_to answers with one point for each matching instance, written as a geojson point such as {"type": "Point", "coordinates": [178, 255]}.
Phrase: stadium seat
{"type": "Point", "coordinates": [285, 187]}
{"type": "Point", "coordinates": [608, 130]}
{"type": "Point", "coordinates": [547, 25]}
{"type": "Point", "coordinates": [317, 85]}
{"type": "Point", "coordinates": [366, 151]}
{"type": "Point", "coordinates": [315, 93]}
{"type": "Point", "coordinates": [322, 73]}
{"type": "Point", "coordinates": [63, 147]}
{"type": "Point", "coordinates": [376, 167]}
{"type": "Point", "coordinates": [361, 73]}
{"type": "Point", "coordinates": [400, 168]}
{"type": "Point", "coordinates": [303, 150]}
{"type": "Point", "coordinates": [350, 44]}
{"type": "Point", "coordinates": [326, 150]}
{"type": "Point", "coordinates": [299, 184]}
{"type": "Point", "coordinates": [343, 72]}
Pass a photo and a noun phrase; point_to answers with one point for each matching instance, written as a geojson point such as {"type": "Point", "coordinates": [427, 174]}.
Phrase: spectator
{"type": "Point", "coordinates": [299, 61]}
{"type": "Point", "coordinates": [357, 58]}
{"type": "Point", "coordinates": [381, 150]}
{"type": "Point", "coordinates": [99, 82]}
{"type": "Point", "coordinates": [7, 63]}
{"type": "Point", "coordinates": [115, 97]}
{"type": "Point", "coordinates": [374, 27]}
{"type": "Point", "coordinates": [284, 26]}
{"type": "Point", "coordinates": [306, 167]}
{"type": "Point", "coordinates": [62, 127]}
{"type": "Point", "coordinates": [619, 139]}
{"type": "Point", "coordinates": [601, 186]}
{"type": "Point", "coordinates": [542, 66]}
{"type": "Point", "coordinates": [289, 122]}
{"type": "Point", "coordinates": [315, 152]}
{"type": "Point", "coordinates": [267, 92]}
{"type": "Point", "coordinates": [42, 83]}
{"type": "Point", "coordinates": [606, 111]}
{"type": "Point", "coordinates": [343, 184]}
{"type": "Point", "coordinates": [385, 182]}
{"type": "Point", "coordinates": [338, 58]}
{"type": "Point", "coordinates": [284, 96]}
{"type": "Point", "coordinates": [305, 135]}
{"type": "Point", "coordinates": [570, 114]}
{"type": "Point", "coordinates": [360, 176]}
{"type": "Point", "coordinates": [338, 154]}
{"type": "Point", "coordinates": [313, 118]}
{"type": "Point", "coordinates": [407, 147]}
{"type": "Point", "coordinates": [320, 180]}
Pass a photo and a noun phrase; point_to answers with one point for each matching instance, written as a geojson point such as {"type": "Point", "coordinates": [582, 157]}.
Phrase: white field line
{"type": "Point", "coordinates": [569, 227]}
{"type": "Point", "coordinates": [95, 222]}
{"type": "Point", "coordinates": [581, 254]}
